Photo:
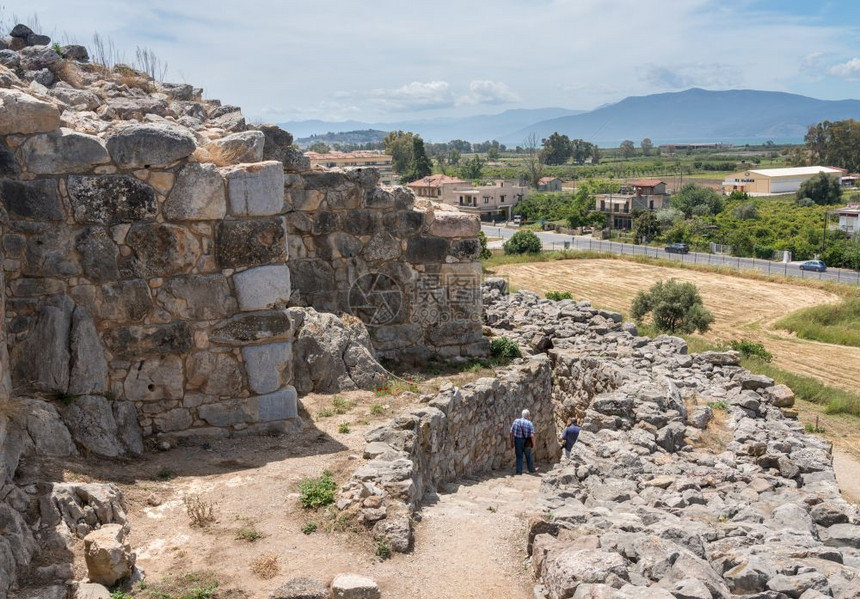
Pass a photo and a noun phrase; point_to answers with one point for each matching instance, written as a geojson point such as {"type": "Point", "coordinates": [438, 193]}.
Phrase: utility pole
{"type": "Point", "coordinates": [824, 234]}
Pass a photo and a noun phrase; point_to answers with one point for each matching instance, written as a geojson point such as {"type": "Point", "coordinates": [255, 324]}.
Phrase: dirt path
{"type": "Point", "coordinates": [461, 543]}
{"type": "Point", "coordinates": [847, 469]}
{"type": "Point", "coordinates": [741, 307]}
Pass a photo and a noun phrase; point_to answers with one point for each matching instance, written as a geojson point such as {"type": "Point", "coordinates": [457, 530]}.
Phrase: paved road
{"type": "Point", "coordinates": [556, 241]}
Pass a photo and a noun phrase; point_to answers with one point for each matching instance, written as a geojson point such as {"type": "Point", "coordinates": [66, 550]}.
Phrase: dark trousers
{"type": "Point", "coordinates": [520, 449]}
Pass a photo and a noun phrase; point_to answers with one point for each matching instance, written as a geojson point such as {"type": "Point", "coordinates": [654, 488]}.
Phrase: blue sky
{"type": "Point", "coordinates": [382, 60]}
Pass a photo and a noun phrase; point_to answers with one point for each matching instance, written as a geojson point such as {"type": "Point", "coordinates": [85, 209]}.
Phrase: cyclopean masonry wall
{"type": "Point", "coordinates": [410, 272]}
{"type": "Point", "coordinates": [140, 282]}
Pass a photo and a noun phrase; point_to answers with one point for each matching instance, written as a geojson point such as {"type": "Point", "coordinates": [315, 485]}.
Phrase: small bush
{"type": "Point", "coordinates": [811, 428]}
{"type": "Point", "coordinates": [377, 409]}
{"type": "Point", "coordinates": [200, 512]}
{"type": "Point", "coordinates": [718, 405]}
{"type": "Point", "coordinates": [343, 428]}
{"type": "Point", "coordinates": [309, 527]}
{"type": "Point", "coordinates": [340, 405]}
{"type": "Point", "coordinates": [383, 549]}
{"type": "Point", "coordinates": [249, 534]}
{"type": "Point", "coordinates": [315, 493]}
{"type": "Point", "coordinates": [523, 242]}
{"type": "Point", "coordinates": [558, 295]}
{"type": "Point", "coordinates": [64, 397]}
{"type": "Point", "coordinates": [748, 349]}
{"type": "Point", "coordinates": [505, 349]}
{"type": "Point", "coordinates": [674, 307]}
{"type": "Point", "coordinates": [120, 595]}
{"type": "Point", "coordinates": [325, 413]}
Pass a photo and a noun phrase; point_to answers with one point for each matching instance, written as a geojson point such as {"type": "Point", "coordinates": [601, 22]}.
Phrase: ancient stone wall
{"type": "Point", "coordinates": [461, 432]}
{"type": "Point", "coordinates": [140, 281]}
{"type": "Point", "coordinates": [409, 272]}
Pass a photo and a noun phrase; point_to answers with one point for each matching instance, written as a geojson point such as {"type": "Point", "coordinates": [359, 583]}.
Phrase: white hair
{"type": "Point", "coordinates": [526, 413]}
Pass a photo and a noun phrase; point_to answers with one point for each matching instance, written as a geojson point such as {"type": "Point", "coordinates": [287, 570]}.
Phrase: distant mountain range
{"type": "Point", "coordinates": [473, 128]}
{"type": "Point", "coordinates": [694, 115]}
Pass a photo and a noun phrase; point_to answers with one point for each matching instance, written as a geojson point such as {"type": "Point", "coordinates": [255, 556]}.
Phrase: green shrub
{"type": "Point", "coordinates": [325, 413]}
{"type": "Point", "coordinates": [718, 405]}
{"type": "Point", "coordinates": [558, 295]}
{"type": "Point", "coordinates": [315, 493]}
{"type": "Point", "coordinates": [748, 349]}
{"type": "Point", "coordinates": [523, 242]}
{"type": "Point", "coordinates": [383, 549]}
{"type": "Point", "coordinates": [505, 349]}
{"type": "Point", "coordinates": [343, 428]}
{"type": "Point", "coordinates": [674, 307]}
{"type": "Point", "coordinates": [248, 533]}
{"type": "Point", "coordinates": [377, 409]}
{"type": "Point", "coordinates": [341, 406]}
{"type": "Point", "coordinates": [309, 527]}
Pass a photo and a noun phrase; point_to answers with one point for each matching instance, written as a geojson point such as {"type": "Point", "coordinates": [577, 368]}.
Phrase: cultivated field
{"type": "Point", "coordinates": [741, 307]}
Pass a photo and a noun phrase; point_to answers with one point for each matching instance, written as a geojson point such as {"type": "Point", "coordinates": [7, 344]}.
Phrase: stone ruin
{"type": "Point", "coordinates": [172, 271]}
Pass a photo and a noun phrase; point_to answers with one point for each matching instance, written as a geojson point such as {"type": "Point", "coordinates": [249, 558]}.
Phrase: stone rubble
{"type": "Point", "coordinates": [666, 496]}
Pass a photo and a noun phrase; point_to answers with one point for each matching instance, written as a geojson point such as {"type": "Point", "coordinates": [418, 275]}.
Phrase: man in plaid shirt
{"type": "Point", "coordinates": [523, 440]}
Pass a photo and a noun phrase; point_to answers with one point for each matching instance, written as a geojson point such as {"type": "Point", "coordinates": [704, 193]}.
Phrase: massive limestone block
{"type": "Point", "coordinates": [269, 366]}
{"type": "Point", "coordinates": [255, 189]}
{"type": "Point", "coordinates": [150, 340]}
{"type": "Point", "coordinates": [63, 151]}
{"type": "Point", "coordinates": [149, 146]}
{"type": "Point", "coordinates": [38, 57]}
{"type": "Point", "coordinates": [263, 287]}
{"type": "Point", "coordinates": [76, 98]}
{"type": "Point", "coordinates": [280, 405]}
{"type": "Point", "coordinates": [382, 247]}
{"type": "Point", "coordinates": [242, 329]}
{"type": "Point", "coordinates": [24, 114]}
{"type": "Point", "coordinates": [109, 558]}
{"type": "Point", "coordinates": [251, 242]}
{"type": "Point", "coordinates": [99, 254]}
{"type": "Point", "coordinates": [197, 297]}
{"type": "Point", "coordinates": [89, 369]}
{"type": "Point", "coordinates": [8, 164]}
{"type": "Point", "coordinates": [110, 200]}
{"type": "Point", "coordinates": [245, 146]}
{"type": "Point", "coordinates": [128, 431]}
{"type": "Point", "coordinates": [353, 586]}
{"type": "Point", "coordinates": [403, 223]}
{"type": "Point", "coordinates": [215, 373]}
{"type": "Point", "coordinates": [277, 142]}
{"type": "Point", "coordinates": [50, 253]}
{"type": "Point", "coordinates": [123, 301]}
{"type": "Point", "coordinates": [90, 420]}
{"type": "Point", "coordinates": [45, 428]}
{"type": "Point", "coordinates": [160, 250]}
{"type": "Point", "coordinates": [301, 588]}
{"type": "Point", "coordinates": [34, 200]}
{"type": "Point", "coordinates": [136, 109]}
{"type": "Point", "coordinates": [41, 361]}
{"type": "Point", "coordinates": [427, 249]}
{"type": "Point", "coordinates": [332, 353]}
{"type": "Point", "coordinates": [454, 224]}
{"type": "Point", "coordinates": [155, 379]}
{"type": "Point", "coordinates": [198, 194]}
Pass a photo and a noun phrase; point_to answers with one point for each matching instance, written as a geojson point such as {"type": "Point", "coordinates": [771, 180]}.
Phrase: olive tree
{"type": "Point", "coordinates": [674, 307]}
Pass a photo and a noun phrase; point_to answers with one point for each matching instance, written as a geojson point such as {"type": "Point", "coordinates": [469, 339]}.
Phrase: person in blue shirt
{"type": "Point", "coordinates": [568, 437]}
{"type": "Point", "coordinates": [523, 440]}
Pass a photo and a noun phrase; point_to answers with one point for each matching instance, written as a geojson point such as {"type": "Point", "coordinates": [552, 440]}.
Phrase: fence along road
{"type": "Point", "coordinates": [556, 241]}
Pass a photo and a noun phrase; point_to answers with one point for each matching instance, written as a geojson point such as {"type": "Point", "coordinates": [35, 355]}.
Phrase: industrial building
{"type": "Point", "coordinates": [771, 181]}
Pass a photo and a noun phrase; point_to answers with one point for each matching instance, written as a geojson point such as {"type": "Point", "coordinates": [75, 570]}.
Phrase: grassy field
{"type": "Point", "coordinates": [741, 309]}
{"type": "Point", "coordinates": [838, 324]}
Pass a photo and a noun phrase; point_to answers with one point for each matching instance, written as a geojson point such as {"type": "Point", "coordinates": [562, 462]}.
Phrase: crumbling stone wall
{"type": "Point", "coordinates": [410, 272]}
{"type": "Point", "coordinates": [139, 278]}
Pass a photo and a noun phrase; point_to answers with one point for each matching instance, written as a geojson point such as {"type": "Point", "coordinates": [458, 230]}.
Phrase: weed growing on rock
{"type": "Point", "coordinates": [748, 349]}
{"type": "Point", "coordinates": [266, 566]}
{"type": "Point", "coordinates": [343, 428]}
{"type": "Point", "coordinates": [315, 493]}
{"type": "Point", "coordinates": [383, 549]}
{"type": "Point", "coordinates": [718, 405]}
{"type": "Point", "coordinates": [309, 527]}
{"type": "Point", "coordinates": [558, 295]}
{"type": "Point", "coordinates": [505, 349]}
{"type": "Point", "coordinates": [120, 595]}
{"type": "Point", "coordinates": [377, 409]}
{"type": "Point", "coordinates": [200, 512]}
{"type": "Point", "coordinates": [64, 397]}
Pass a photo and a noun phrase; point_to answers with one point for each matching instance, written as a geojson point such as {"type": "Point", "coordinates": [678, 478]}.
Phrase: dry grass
{"type": "Point", "coordinates": [742, 309]}
{"type": "Point", "coordinates": [220, 155]}
{"type": "Point", "coordinates": [70, 73]}
{"type": "Point", "coordinates": [200, 512]}
{"type": "Point", "coordinates": [266, 566]}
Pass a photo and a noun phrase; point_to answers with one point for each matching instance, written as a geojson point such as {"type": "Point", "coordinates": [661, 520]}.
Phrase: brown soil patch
{"type": "Point", "coordinates": [742, 307]}
{"type": "Point", "coordinates": [257, 542]}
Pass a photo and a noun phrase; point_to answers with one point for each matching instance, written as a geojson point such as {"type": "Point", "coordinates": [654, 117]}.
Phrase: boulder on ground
{"type": "Point", "coordinates": [109, 559]}
{"type": "Point", "coordinates": [301, 588]}
{"type": "Point", "coordinates": [354, 586]}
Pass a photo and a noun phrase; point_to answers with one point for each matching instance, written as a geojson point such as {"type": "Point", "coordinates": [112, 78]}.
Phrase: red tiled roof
{"type": "Point", "coordinates": [647, 183]}
{"type": "Point", "coordinates": [434, 181]}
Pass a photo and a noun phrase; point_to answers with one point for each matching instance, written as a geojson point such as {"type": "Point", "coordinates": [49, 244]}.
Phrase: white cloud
{"type": "Point", "coordinates": [485, 91]}
{"type": "Point", "coordinates": [849, 70]}
{"type": "Point", "coordinates": [415, 96]}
